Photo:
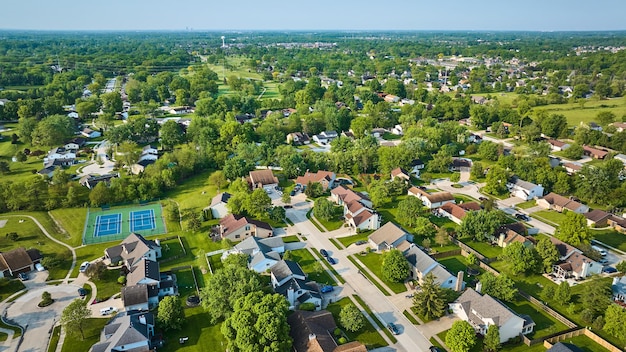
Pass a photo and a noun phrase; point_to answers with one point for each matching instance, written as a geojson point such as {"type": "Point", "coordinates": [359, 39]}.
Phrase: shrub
{"type": "Point", "coordinates": [342, 340]}
{"type": "Point", "coordinates": [307, 306]}
{"type": "Point", "coordinates": [121, 280]}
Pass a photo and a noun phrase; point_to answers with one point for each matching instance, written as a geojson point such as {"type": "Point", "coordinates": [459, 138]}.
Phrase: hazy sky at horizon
{"type": "Point", "coordinates": [532, 15]}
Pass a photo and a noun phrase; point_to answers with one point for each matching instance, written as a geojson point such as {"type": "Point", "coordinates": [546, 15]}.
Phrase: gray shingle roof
{"type": "Point", "coordinates": [285, 269]}
{"type": "Point", "coordinates": [388, 233]}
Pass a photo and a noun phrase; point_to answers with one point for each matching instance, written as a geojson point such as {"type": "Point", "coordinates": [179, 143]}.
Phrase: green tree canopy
{"type": "Point", "coordinates": [548, 253]}
{"type": "Point", "coordinates": [573, 230]}
{"type": "Point", "coordinates": [500, 287]}
{"type": "Point", "coordinates": [520, 258]}
{"type": "Point", "coordinates": [461, 337]}
{"type": "Point", "coordinates": [351, 318]}
{"type": "Point", "coordinates": [395, 266]}
{"type": "Point", "coordinates": [491, 342]}
{"type": "Point", "coordinates": [429, 301]}
{"type": "Point", "coordinates": [170, 313]}
{"type": "Point", "coordinates": [481, 224]}
{"type": "Point", "coordinates": [75, 316]}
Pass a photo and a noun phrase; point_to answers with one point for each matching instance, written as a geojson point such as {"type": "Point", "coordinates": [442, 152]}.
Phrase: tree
{"type": "Point", "coordinates": [441, 162]}
{"type": "Point", "coordinates": [258, 323]}
{"type": "Point", "coordinates": [13, 236]}
{"type": "Point", "coordinates": [53, 130]}
{"type": "Point", "coordinates": [170, 313]}
{"type": "Point", "coordinates": [596, 296]}
{"type": "Point", "coordinates": [351, 318]}
{"type": "Point", "coordinates": [574, 152]}
{"type": "Point", "coordinates": [277, 213]}
{"type": "Point", "coordinates": [96, 270]}
{"type": "Point", "coordinates": [258, 202]}
{"type": "Point", "coordinates": [286, 198]}
{"type": "Point", "coordinates": [563, 293]}
{"type": "Point", "coordinates": [496, 180]}
{"type": "Point", "coordinates": [471, 259]}
{"type": "Point", "coordinates": [621, 267]}
{"type": "Point", "coordinates": [429, 300]}
{"type": "Point", "coordinates": [25, 128]}
{"type": "Point", "coordinates": [194, 222]}
{"type": "Point", "coordinates": [501, 287]}
{"type": "Point", "coordinates": [481, 224]}
{"type": "Point", "coordinates": [615, 321]}
{"type": "Point", "coordinates": [491, 342]}
{"type": "Point", "coordinates": [225, 287]}
{"type": "Point", "coordinates": [218, 179]}
{"type": "Point", "coordinates": [171, 134]}
{"type": "Point", "coordinates": [395, 266]}
{"type": "Point", "coordinates": [477, 172]}
{"type": "Point", "coordinates": [99, 195]}
{"type": "Point", "coordinates": [548, 253]}
{"type": "Point", "coordinates": [605, 117]}
{"type": "Point", "coordinates": [521, 259]}
{"type": "Point", "coordinates": [441, 238]}
{"type": "Point", "coordinates": [314, 190]}
{"type": "Point", "coordinates": [323, 209]}
{"type": "Point", "coordinates": [237, 259]}
{"type": "Point", "coordinates": [423, 226]}
{"type": "Point", "coordinates": [4, 167]}
{"type": "Point", "coordinates": [489, 150]}
{"type": "Point", "coordinates": [46, 299]}
{"type": "Point", "coordinates": [461, 337]}
{"type": "Point", "coordinates": [75, 316]}
{"type": "Point", "coordinates": [574, 230]}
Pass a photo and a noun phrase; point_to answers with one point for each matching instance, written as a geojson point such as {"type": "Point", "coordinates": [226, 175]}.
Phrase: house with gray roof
{"type": "Point", "coordinates": [289, 280]}
{"type": "Point", "coordinates": [263, 253]}
{"type": "Point", "coordinates": [422, 265]}
{"type": "Point", "coordinates": [130, 332]}
{"type": "Point", "coordinates": [524, 189]}
{"type": "Point", "coordinates": [564, 347]}
{"type": "Point", "coordinates": [218, 205]}
{"type": "Point", "coordinates": [481, 311]}
{"type": "Point", "coordinates": [132, 249]}
{"type": "Point", "coordinates": [619, 289]}
{"type": "Point", "coordinates": [390, 236]}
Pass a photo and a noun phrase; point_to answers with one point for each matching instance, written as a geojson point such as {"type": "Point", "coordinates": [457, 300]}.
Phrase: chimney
{"type": "Point", "coordinates": [142, 319]}
{"type": "Point", "coordinates": [158, 242]}
{"type": "Point", "coordinates": [479, 286]}
{"type": "Point", "coordinates": [312, 337]}
{"type": "Point", "coordinates": [459, 282]}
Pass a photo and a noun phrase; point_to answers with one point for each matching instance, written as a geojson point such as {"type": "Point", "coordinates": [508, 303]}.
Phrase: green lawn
{"type": "Point", "coordinates": [331, 225]}
{"type": "Point", "coordinates": [358, 264]}
{"type": "Point", "coordinates": [9, 287]}
{"type": "Point", "coordinates": [30, 236]}
{"type": "Point", "coordinates": [108, 286]}
{"type": "Point", "coordinates": [73, 221]}
{"type": "Point", "coordinates": [195, 193]}
{"type": "Point", "coordinates": [610, 237]}
{"type": "Point", "coordinates": [586, 344]}
{"type": "Point", "coordinates": [308, 264]}
{"type": "Point", "coordinates": [290, 239]}
{"type": "Point", "coordinates": [485, 248]}
{"type": "Point", "coordinates": [575, 114]}
{"type": "Point", "coordinates": [89, 253]}
{"type": "Point", "coordinates": [186, 285]}
{"type": "Point", "coordinates": [546, 324]}
{"type": "Point", "coordinates": [551, 216]}
{"type": "Point", "coordinates": [531, 284]}
{"type": "Point", "coordinates": [92, 328]}
{"type": "Point", "coordinates": [527, 204]}
{"type": "Point", "coordinates": [373, 261]}
{"type": "Point", "coordinates": [348, 240]}
{"type": "Point", "coordinates": [201, 334]}
{"type": "Point", "coordinates": [368, 335]}
{"type": "Point", "coordinates": [171, 248]}
{"type": "Point", "coordinates": [443, 222]}
{"type": "Point", "coordinates": [54, 340]}
{"type": "Point", "coordinates": [457, 263]}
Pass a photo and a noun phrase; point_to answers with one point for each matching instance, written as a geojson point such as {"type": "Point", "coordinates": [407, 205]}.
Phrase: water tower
{"type": "Point", "coordinates": [223, 44]}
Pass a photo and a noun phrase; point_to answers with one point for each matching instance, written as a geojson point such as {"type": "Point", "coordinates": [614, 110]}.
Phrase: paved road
{"type": "Point", "coordinates": [93, 168]}
{"type": "Point", "coordinates": [410, 339]}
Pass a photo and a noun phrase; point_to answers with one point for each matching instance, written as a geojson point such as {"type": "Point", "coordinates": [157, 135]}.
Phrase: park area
{"type": "Point", "coordinates": [115, 224]}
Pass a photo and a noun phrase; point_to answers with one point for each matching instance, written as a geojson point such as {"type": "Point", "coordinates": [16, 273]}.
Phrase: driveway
{"type": "Point", "coordinates": [39, 321]}
{"type": "Point", "coordinates": [101, 152]}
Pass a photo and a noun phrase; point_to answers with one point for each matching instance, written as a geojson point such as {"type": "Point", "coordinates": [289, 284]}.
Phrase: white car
{"type": "Point", "coordinates": [108, 310]}
{"type": "Point", "coordinates": [83, 267]}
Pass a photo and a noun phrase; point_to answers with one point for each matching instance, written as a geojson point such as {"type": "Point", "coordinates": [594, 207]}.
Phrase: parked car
{"type": "Point", "coordinates": [327, 288]}
{"type": "Point", "coordinates": [82, 292]}
{"type": "Point", "coordinates": [108, 310]}
{"type": "Point", "coordinates": [522, 217]}
{"type": "Point", "coordinates": [287, 206]}
{"type": "Point", "coordinates": [23, 276]}
{"type": "Point", "coordinates": [292, 193]}
{"type": "Point", "coordinates": [393, 328]}
{"type": "Point", "coordinates": [323, 253]}
{"type": "Point", "coordinates": [83, 267]}
{"type": "Point", "coordinates": [434, 349]}
{"type": "Point", "coordinates": [609, 270]}
{"type": "Point", "coordinates": [360, 242]}
{"type": "Point", "coordinates": [332, 260]}
{"type": "Point", "coordinates": [603, 261]}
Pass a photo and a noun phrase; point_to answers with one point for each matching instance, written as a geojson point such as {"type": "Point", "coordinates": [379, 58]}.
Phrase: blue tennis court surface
{"type": "Point", "coordinates": [142, 220]}
{"type": "Point", "coordinates": [107, 225]}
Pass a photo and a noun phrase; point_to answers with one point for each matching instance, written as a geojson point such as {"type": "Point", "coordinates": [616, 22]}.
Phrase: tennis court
{"type": "Point", "coordinates": [142, 220]}
{"type": "Point", "coordinates": [107, 225]}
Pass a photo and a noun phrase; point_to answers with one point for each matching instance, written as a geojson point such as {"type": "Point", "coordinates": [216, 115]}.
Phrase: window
{"type": "Point", "coordinates": [247, 227]}
{"type": "Point", "coordinates": [236, 236]}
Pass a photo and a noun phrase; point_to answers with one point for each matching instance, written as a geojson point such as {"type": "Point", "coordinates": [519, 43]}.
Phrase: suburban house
{"type": "Point", "coordinates": [146, 285]}
{"type": "Point", "coordinates": [572, 262]}
{"type": "Point", "coordinates": [481, 311]}
{"type": "Point", "coordinates": [431, 200]}
{"type": "Point", "coordinates": [515, 232]}
{"type": "Point", "coordinates": [89, 133]}
{"type": "Point", "coordinates": [356, 208]}
{"type": "Point", "coordinates": [597, 218]}
{"type": "Point", "coordinates": [149, 153]}
{"type": "Point", "coordinates": [557, 146]}
{"type": "Point", "coordinates": [401, 174]}
{"type": "Point", "coordinates": [422, 264]}
{"type": "Point", "coordinates": [262, 178]}
{"type": "Point", "coordinates": [289, 280]}
{"type": "Point", "coordinates": [556, 202]}
{"type": "Point", "coordinates": [456, 212]}
{"type": "Point", "coordinates": [129, 332]}
{"type": "Point", "coordinates": [397, 130]}
{"type": "Point", "coordinates": [47, 171]}
{"type": "Point", "coordinates": [140, 166]}
{"type": "Point", "coordinates": [60, 157]}
{"type": "Point", "coordinates": [619, 126]}
{"type": "Point", "coordinates": [524, 189]}
{"type": "Point", "coordinates": [325, 178]}
{"type": "Point", "coordinates": [474, 138]}
{"type": "Point", "coordinates": [377, 132]}
{"type": "Point", "coordinates": [595, 127]}
{"type": "Point", "coordinates": [18, 260]}
{"type": "Point", "coordinates": [618, 223]}
{"type": "Point", "coordinates": [90, 181]}
{"type": "Point", "coordinates": [594, 153]}
{"type": "Point", "coordinates": [298, 138]}
{"type": "Point", "coordinates": [325, 137]}
{"type": "Point", "coordinates": [243, 118]}
{"type": "Point", "coordinates": [564, 347]}
{"type": "Point", "coordinates": [618, 287]}
{"type": "Point", "coordinates": [218, 205]}
{"type": "Point", "coordinates": [390, 236]}
{"type": "Point", "coordinates": [572, 168]}
{"type": "Point", "coordinates": [458, 164]}
{"type": "Point", "coordinates": [133, 248]}
{"type": "Point", "coordinates": [263, 253]}
{"type": "Point", "coordinates": [313, 332]}
{"type": "Point", "coordinates": [75, 144]}
{"type": "Point", "coordinates": [237, 228]}
{"type": "Point", "coordinates": [416, 166]}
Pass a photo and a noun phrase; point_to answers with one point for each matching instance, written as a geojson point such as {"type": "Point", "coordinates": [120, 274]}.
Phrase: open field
{"type": "Point", "coordinates": [73, 221]}
{"type": "Point", "coordinates": [575, 114]}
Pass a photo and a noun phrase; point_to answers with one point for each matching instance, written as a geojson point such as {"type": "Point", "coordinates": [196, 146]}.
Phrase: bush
{"type": "Point", "coordinates": [46, 299]}
{"type": "Point", "coordinates": [455, 177]}
{"type": "Point", "coordinates": [307, 306]}
{"type": "Point", "coordinates": [342, 340]}
{"type": "Point", "coordinates": [337, 332]}
{"type": "Point", "coordinates": [121, 280]}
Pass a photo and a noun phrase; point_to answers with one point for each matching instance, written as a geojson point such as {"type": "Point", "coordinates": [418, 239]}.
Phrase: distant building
{"type": "Point", "coordinates": [524, 189]}
{"type": "Point", "coordinates": [432, 200]}
{"type": "Point", "coordinates": [325, 178]}
{"type": "Point", "coordinates": [262, 179]}
{"type": "Point", "coordinates": [390, 236]}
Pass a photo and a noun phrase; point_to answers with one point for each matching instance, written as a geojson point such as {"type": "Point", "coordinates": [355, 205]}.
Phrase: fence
{"type": "Point", "coordinates": [549, 342]}
{"type": "Point", "coordinates": [176, 256]}
{"type": "Point", "coordinates": [446, 254]}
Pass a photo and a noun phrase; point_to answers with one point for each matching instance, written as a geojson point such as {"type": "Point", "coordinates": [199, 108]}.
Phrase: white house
{"type": "Point", "coordinates": [357, 208]}
{"type": "Point", "coordinates": [390, 236]}
{"type": "Point", "coordinates": [325, 137]}
{"type": "Point", "coordinates": [523, 189]}
{"type": "Point", "coordinates": [127, 332]}
{"type": "Point", "coordinates": [481, 311]}
{"type": "Point", "coordinates": [572, 262]}
{"type": "Point", "coordinates": [133, 248]}
{"type": "Point", "coordinates": [432, 200]}
{"type": "Point", "coordinates": [289, 280]}
{"type": "Point", "coordinates": [422, 264]}
{"type": "Point", "coordinates": [263, 253]}
{"type": "Point", "coordinates": [218, 206]}
{"type": "Point", "coordinates": [89, 133]}
{"type": "Point", "coordinates": [67, 156]}
{"type": "Point", "coordinates": [557, 145]}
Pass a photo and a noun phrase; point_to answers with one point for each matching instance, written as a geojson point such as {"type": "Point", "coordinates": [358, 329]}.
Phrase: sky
{"type": "Point", "coordinates": [492, 15]}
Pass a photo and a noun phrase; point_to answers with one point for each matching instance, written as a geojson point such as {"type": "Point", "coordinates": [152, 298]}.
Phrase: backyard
{"type": "Point", "coordinates": [92, 329]}
{"type": "Point", "coordinates": [611, 238]}
{"type": "Point", "coordinates": [368, 335]}
{"type": "Point", "coordinates": [458, 263]}
{"type": "Point", "coordinates": [311, 266]}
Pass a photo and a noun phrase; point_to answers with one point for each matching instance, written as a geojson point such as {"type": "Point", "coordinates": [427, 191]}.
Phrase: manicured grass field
{"type": "Point", "coordinates": [330, 225]}
{"type": "Point", "coordinates": [171, 248]}
{"type": "Point", "coordinates": [610, 237]}
{"type": "Point", "coordinates": [73, 221]}
{"type": "Point", "coordinates": [9, 287]}
{"type": "Point", "coordinates": [290, 239]}
{"type": "Point", "coordinates": [546, 324]}
{"type": "Point", "coordinates": [92, 329]}
{"type": "Point", "coordinates": [54, 340]}
{"type": "Point", "coordinates": [309, 266]}
{"type": "Point", "coordinates": [575, 114]}
{"type": "Point", "coordinates": [368, 335]}
{"type": "Point", "coordinates": [108, 286]}
{"type": "Point", "coordinates": [586, 344]}
{"type": "Point", "coordinates": [485, 248]}
{"type": "Point", "coordinates": [457, 263]}
{"type": "Point", "coordinates": [551, 216]}
{"type": "Point", "coordinates": [374, 262]}
{"type": "Point", "coordinates": [348, 240]}
{"type": "Point", "coordinates": [527, 204]}
{"type": "Point", "coordinates": [30, 236]}
{"type": "Point", "coordinates": [195, 193]}
{"type": "Point", "coordinates": [201, 334]}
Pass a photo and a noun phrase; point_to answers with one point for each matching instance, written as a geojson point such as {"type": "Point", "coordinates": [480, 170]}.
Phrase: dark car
{"type": "Point", "coordinates": [482, 199]}
{"type": "Point", "coordinates": [609, 269]}
{"type": "Point", "coordinates": [434, 349]}
{"type": "Point", "coordinates": [393, 328]}
{"type": "Point", "coordinates": [360, 242]}
{"type": "Point", "coordinates": [332, 260]}
{"type": "Point", "coordinates": [23, 276]}
{"type": "Point", "coordinates": [287, 206]}
{"type": "Point", "coordinates": [292, 193]}
{"type": "Point", "coordinates": [327, 288]}
{"type": "Point", "coordinates": [522, 217]}
{"type": "Point", "coordinates": [323, 252]}
{"type": "Point", "coordinates": [82, 292]}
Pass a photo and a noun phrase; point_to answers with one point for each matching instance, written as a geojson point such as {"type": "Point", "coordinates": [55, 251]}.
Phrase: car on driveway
{"type": "Point", "coordinates": [108, 310]}
{"type": "Point", "coordinates": [323, 253]}
{"type": "Point", "coordinates": [393, 328]}
{"type": "Point", "coordinates": [523, 217]}
{"type": "Point", "coordinates": [327, 288]}
{"type": "Point", "coordinates": [23, 276]}
{"type": "Point", "coordinates": [83, 267]}
{"type": "Point", "coordinates": [332, 260]}
{"type": "Point", "coordinates": [360, 242]}
{"type": "Point", "coordinates": [82, 292]}
{"type": "Point", "coordinates": [609, 269]}
{"type": "Point", "coordinates": [434, 349]}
